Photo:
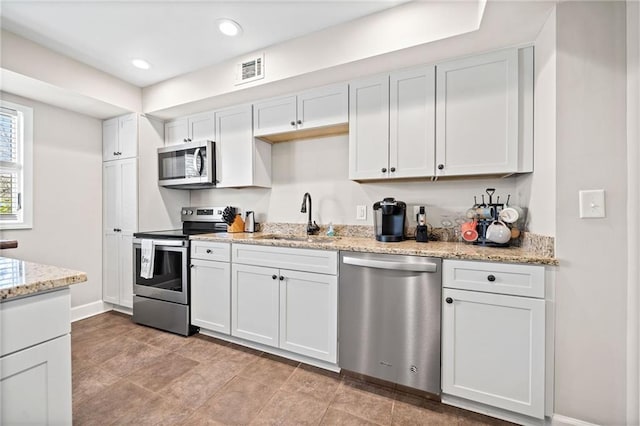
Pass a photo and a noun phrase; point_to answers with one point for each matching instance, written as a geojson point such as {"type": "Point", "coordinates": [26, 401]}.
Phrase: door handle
{"type": "Point", "coordinates": [384, 264]}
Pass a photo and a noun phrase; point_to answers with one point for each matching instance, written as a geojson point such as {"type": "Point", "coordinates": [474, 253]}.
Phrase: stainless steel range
{"type": "Point", "coordinates": [162, 293]}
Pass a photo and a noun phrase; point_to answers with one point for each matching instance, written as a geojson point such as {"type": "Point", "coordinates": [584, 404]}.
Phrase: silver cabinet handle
{"type": "Point", "coordinates": [398, 266]}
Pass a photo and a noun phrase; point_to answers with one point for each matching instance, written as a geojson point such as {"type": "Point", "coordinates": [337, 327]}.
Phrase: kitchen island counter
{"type": "Point", "coordinates": [444, 250]}
{"type": "Point", "coordinates": [20, 278]}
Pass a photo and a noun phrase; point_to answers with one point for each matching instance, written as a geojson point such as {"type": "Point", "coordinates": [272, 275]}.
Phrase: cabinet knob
{"type": "Point", "coordinates": [281, 278]}
{"type": "Point", "coordinates": [448, 300]}
{"type": "Point", "coordinates": [115, 229]}
{"type": "Point", "coordinates": [440, 166]}
{"type": "Point", "coordinates": [293, 123]}
{"type": "Point", "coordinates": [185, 140]}
{"type": "Point", "coordinates": [209, 251]}
{"type": "Point", "coordinates": [299, 121]}
{"type": "Point", "coordinates": [273, 277]}
{"type": "Point", "coordinates": [383, 170]}
{"type": "Point", "coordinates": [491, 278]}
{"type": "Point", "coordinates": [393, 169]}
{"type": "Point", "coordinates": [192, 266]}
{"type": "Point", "coordinates": [115, 153]}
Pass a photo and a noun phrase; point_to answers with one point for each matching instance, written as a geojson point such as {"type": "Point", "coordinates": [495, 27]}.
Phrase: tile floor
{"type": "Point", "coordinates": [124, 374]}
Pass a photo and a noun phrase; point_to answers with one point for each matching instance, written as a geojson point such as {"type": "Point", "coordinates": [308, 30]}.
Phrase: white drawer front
{"type": "Point", "coordinates": [320, 261]}
{"type": "Point", "coordinates": [32, 320]}
{"type": "Point", "coordinates": [207, 250]}
{"type": "Point", "coordinates": [500, 278]}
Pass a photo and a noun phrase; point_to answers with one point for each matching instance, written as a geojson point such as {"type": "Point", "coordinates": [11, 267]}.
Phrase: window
{"type": "Point", "coordinates": [16, 142]}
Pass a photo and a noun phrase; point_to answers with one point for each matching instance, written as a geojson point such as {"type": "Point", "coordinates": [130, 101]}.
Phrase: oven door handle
{"type": "Point", "coordinates": [163, 243]}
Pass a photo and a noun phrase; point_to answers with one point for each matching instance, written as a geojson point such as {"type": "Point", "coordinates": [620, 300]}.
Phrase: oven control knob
{"type": "Point", "coordinates": [189, 212]}
{"type": "Point", "coordinates": [184, 212]}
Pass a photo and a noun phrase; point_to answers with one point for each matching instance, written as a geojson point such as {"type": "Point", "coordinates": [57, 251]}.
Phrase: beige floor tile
{"type": "Point", "coordinates": [364, 400]}
{"type": "Point", "coordinates": [334, 417]}
{"type": "Point", "coordinates": [132, 356]}
{"type": "Point", "coordinates": [168, 341]}
{"type": "Point", "coordinates": [89, 381]}
{"type": "Point", "coordinates": [286, 408]}
{"type": "Point", "coordinates": [162, 372]}
{"type": "Point", "coordinates": [238, 402]}
{"type": "Point", "coordinates": [110, 403]}
{"type": "Point", "coordinates": [200, 419]}
{"type": "Point", "coordinates": [199, 384]}
{"type": "Point", "coordinates": [201, 349]}
{"type": "Point", "coordinates": [269, 370]}
{"type": "Point", "coordinates": [157, 411]}
{"type": "Point", "coordinates": [315, 382]}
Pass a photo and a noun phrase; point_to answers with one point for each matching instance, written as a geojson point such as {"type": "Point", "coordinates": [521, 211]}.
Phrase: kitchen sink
{"type": "Point", "coordinates": [301, 238]}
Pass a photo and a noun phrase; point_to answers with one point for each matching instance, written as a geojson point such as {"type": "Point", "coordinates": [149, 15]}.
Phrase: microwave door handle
{"type": "Point", "coordinates": [198, 155]}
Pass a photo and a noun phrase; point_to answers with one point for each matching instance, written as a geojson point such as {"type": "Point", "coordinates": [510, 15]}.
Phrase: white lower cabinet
{"type": "Point", "coordinates": [493, 345]}
{"type": "Point", "coordinates": [35, 360]}
{"type": "Point", "coordinates": [211, 286]}
{"type": "Point", "coordinates": [294, 310]}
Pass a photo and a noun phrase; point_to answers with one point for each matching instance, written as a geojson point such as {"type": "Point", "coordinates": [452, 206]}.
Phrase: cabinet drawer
{"type": "Point", "coordinates": [320, 261]}
{"type": "Point", "coordinates": [32, 320]}
{"type": "Point", "coordinates": [501, 278]}
{"type": "Point", "coordinates": [207, 250]}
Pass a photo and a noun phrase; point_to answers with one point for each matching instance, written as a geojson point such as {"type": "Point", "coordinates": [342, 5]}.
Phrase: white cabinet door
{"type": "Point", "coordinates": [111, 267]}
{"type": "Point", "coordinates": [308, 314]}
{"type": "Point", "coordinates": [125, 257]}
{"type": "Point", "coordinates": [35, 384]}
{"type": "Point", "coordinates": [110, 139]}
{"type": "Point", "coordinates": [477, 115]}
{"type": "Point", "coordinates": [234, 147]}
{"type": "Point", "coordinates": [120, 221]}
{"type": "Point", "coordinates": [493, 349]}
{"type": "Point", "coordinates": [176, 131]}
{"type": "Point", "coordinates": [211, 295]}
{"type": "Point", "coordinates": [324, 106]}
{"type": "Point", "coordinates": [201, 126]}
{"type": "Point", "coordinates": [128, 194]}
{"type": "Point", "coordinates": [254, 303]}
{"type": "Point", "coordinates": [128, 136]}
{"type": "Point", "coordinates": [369, 128]}
{"type": "Point", "coordinates": [412, 123]}
{"type": "Point", "coordinates": [274, 116]}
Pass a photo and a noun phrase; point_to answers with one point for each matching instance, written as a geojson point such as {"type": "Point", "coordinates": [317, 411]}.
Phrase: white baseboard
{"type": "Point", "coordinates": [560, 420]}
{"type": "Point", "coordinates": [89, 310]}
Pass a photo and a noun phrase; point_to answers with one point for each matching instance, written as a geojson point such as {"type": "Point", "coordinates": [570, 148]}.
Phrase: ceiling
{"type": "Point", "coordinates": [175, 37]}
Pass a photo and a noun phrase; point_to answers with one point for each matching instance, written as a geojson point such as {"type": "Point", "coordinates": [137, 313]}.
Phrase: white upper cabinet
{"type": "Point", "coordinates": [484, 114]}
{"type": "Point", "coordinates": [196, 127]}
{"type": "Point", "coordinates": [391, 127]}
{"type": "Point", "coordinates": [315, 112]}
{"type": "Point", "coordinates": [241, 160]}
{"type": "Point", "coordinates": [120, 137]}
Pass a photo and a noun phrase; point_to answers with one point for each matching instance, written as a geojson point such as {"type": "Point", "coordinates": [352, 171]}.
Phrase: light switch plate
{"type": "Point", "coordinates": [361, 212]}
{"type": "Point", "coordinates": [592, 203]}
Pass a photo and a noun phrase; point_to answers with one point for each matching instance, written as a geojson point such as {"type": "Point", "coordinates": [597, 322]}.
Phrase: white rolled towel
{"type": "Point", "coordinates": [147, 255]}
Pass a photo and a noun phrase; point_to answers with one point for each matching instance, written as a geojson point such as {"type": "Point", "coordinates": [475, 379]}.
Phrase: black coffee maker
{"type": "Point", "coordinates": [388, 220]}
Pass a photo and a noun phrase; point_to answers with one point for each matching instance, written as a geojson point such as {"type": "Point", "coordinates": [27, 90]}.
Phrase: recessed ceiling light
{"type": "Point", "coordinates": [141, 63]}
{"type": "Point", "coordinates": [229, 28]}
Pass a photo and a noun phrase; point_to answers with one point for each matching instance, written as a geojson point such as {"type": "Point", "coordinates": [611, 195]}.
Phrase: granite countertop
{"type": "Point", "coordinates": [19, 278]}
{"type": "Point", "coordinates": [445, 250]}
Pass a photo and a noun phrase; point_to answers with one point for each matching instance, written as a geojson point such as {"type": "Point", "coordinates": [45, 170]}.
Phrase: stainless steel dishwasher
{"type": "Point", "coordinates": [389, 316]}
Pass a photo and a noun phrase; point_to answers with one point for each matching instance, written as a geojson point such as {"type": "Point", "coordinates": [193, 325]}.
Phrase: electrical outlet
{"type": "Point", "coordinates": [361, 212]}
{"type": "Point", "coordinates": [416, 210]}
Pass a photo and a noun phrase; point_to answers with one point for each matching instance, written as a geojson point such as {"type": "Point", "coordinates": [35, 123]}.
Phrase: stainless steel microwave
{"type": "Point", "coordinates": [190, 165]}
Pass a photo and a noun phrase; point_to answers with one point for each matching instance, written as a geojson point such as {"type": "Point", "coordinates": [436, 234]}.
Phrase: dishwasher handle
{"type": "Point", "coordinates": [384, 264]}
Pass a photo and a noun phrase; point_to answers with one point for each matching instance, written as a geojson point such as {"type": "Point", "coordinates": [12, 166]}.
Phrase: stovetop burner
{"type": "Point", "coordinates": [196, 220]}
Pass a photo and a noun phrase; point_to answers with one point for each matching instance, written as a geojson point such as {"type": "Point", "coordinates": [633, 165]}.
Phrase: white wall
{"type": "Point", "coordinates": [591, 282]}
{"type": "Point", "coordinates": [320, 166]}
{"type": "Point", "coordinates": [67, 199]}
{"type": "Point", "coordinates": [538, 190]}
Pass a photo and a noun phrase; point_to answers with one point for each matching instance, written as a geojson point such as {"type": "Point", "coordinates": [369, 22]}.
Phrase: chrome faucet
{"type": "Point", "coordinates": [312, 228]}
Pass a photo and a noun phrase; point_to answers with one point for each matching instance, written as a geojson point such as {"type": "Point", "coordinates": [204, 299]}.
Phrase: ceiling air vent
{"type": "Point", "coordinates": [250, 70]}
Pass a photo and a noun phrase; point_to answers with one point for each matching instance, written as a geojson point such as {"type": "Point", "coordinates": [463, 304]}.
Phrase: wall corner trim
{"type": "Point", "coordinates": [560, 420]}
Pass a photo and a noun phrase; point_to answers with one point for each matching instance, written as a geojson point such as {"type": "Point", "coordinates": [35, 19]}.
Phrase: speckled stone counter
{"type": "Point", "coordinates": [445, 250]}
{"type": "Point", "coordinates": [19, 278]}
